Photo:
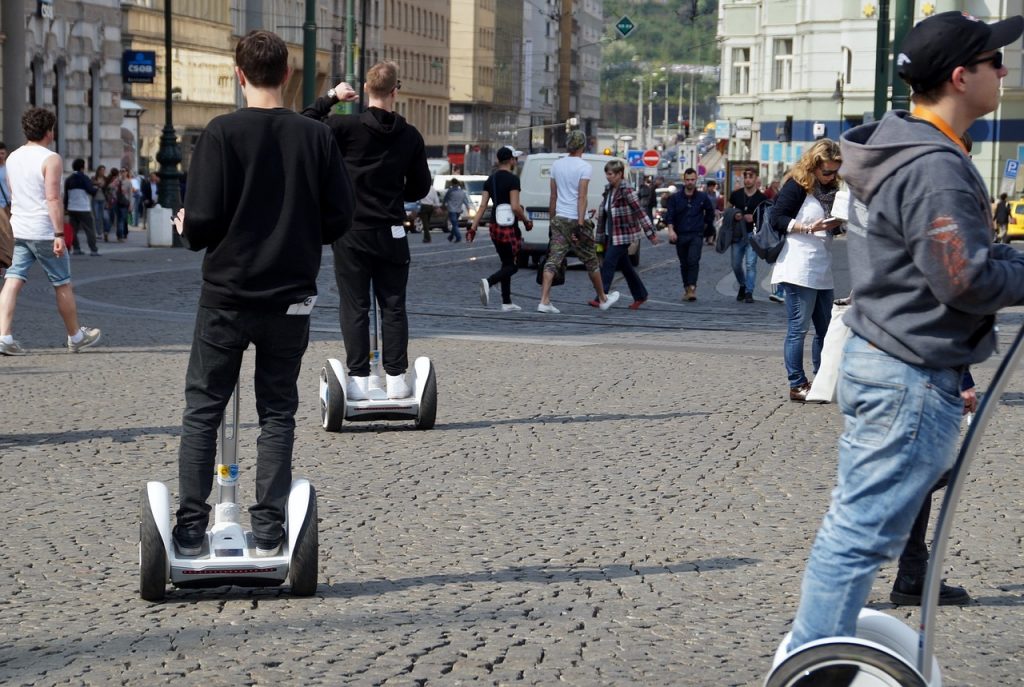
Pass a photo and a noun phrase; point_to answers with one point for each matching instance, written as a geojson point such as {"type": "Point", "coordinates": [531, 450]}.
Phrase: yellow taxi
{"type": "Point", "coordinates": [1015, 229]}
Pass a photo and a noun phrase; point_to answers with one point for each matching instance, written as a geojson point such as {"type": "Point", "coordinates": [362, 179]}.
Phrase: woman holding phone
{"type": "Point", "coordinates": [803, 211]}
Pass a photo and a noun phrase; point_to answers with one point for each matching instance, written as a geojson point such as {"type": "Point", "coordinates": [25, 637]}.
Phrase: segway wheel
{"type": "Point", "coordinates": [332, 400]}
{"type": "Point", "coordinates": [428, 405]}
{"type": "Point", "coordinates": [844, 664]}
{"type": "Point", "coordinates": [305, 561]}
{"type": "Point", "coordinates": [152, 555]}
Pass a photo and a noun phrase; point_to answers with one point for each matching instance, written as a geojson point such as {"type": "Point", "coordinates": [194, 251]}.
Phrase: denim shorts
{"type": "Point", "coordinates": [58, 270]}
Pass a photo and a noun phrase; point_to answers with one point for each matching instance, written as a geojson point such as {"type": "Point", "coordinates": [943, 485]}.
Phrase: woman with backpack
{"type": "Point", "coordinates": [803, 212]}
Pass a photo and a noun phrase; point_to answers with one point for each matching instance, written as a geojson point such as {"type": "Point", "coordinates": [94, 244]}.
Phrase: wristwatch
{"type": "Point", "coordinates": [332, 94]}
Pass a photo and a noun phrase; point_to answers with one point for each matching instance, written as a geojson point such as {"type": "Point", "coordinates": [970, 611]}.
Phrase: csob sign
{"type": "Point", "coordinates": [138, 66]}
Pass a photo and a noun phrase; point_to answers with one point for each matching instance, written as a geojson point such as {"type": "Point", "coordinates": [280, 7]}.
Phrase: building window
{"type": "Point", "coordinates": [740, 71]}
{"type": "Point", "coordinates": [782, 68]}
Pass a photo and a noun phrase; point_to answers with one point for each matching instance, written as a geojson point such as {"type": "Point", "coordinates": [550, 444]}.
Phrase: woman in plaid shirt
{"type": "Point", "coordinates": [619, 223]}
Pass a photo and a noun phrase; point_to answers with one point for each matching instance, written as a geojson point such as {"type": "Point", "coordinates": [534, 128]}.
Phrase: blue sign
{"type": "Point", "coordinates": [138, 66]}
{"type": "Point", "coordinates": [720, 175]}
{"type": "Point", "coordinates": [1012, 166]}
{"type": "Point", "coordinates": [635, 158]}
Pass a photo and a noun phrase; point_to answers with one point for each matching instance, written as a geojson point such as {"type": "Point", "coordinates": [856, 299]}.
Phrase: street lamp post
{"type": "Point", "coordinates": [640, 130]}
{"type": "Point", "coordinates": [838, 95]}
{"type": "Point", "coordinates": [169, 155]}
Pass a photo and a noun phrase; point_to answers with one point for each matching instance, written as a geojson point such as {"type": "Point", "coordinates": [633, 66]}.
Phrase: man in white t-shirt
{"type": "Point", "coordinates": [35, 173]}
{"type": "Point", "coordinates": [567, 230]}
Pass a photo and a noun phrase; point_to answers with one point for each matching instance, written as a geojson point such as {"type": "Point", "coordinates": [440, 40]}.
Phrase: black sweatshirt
{"type": "Point", "coordinates": [266, 190]}
{"type": "Point", "coordinates": [386, 159]}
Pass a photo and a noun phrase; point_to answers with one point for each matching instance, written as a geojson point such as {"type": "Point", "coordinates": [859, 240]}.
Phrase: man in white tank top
{"type": "Point", "coordinates": [34, 173]}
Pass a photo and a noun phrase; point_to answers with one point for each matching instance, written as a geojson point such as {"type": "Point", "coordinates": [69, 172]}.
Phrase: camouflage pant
{"type": "Point", "coordinates": [560, 243]}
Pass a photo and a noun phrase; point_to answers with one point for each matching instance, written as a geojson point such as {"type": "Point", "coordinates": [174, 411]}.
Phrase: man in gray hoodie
{"type": "Point", "coordinates": [928, 282]}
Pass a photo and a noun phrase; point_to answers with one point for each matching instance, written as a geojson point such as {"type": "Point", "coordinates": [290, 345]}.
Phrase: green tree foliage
{"type": "Point", "coordinates": [673, 32]}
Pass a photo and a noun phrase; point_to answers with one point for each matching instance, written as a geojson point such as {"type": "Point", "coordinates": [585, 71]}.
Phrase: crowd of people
{"type": "Point", "coordinates": [923, 299]}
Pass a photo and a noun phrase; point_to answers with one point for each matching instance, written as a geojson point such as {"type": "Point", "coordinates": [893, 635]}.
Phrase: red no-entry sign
{"type": "Point", "coordinates": [651, 158]}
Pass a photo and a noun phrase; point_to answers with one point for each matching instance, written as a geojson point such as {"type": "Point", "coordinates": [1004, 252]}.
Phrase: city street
{"type": "Point", "coordinates": [608, 498]}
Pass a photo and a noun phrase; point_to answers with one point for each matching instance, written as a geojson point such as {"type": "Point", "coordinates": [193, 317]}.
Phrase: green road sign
{"type": "Point", "coordinates": [625, 26]}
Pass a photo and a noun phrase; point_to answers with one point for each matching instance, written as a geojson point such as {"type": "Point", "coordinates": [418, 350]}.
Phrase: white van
{"type": "Point", "coordinates": [535, 180]}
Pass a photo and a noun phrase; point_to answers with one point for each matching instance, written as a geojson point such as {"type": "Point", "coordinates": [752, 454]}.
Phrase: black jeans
{"type": "Point", "coordinates": [83, 220]}
{"type": "Point", "coordinates": [221, 336]}
{"type": "Point", "coordinates": [914, 559]}
{"type": "Point", "coordinates": [362, 257]}
{"type": "Point", "coordinates": [504, 274]}
{"type": "Point", "coordinates": [688, 248]}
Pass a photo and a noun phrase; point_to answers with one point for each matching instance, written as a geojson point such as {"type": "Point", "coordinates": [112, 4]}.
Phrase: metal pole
{"type": "Point", "coordinates": [904, 20]}
{"type": "Point", "coordinates": [650, 110]}
{"type": "Point", "coordinates": [882, 60]}
{"type": "Point", "coordinates": [679, 112]}
{"type": "Point", "coordinates": [692, 121]}
{"type": "Point", "coordinates": [640, 113]}
{"type": "Point", "coordinates": [309, 55]}
{"type": "Point", "coordinates": [664, 123]}
{"type": "Point", "coordinates": [169, 154]}
{"type": "Point", "coordinates": [350, 41]}
{"type": "Point", "coordinates": [362, 54]}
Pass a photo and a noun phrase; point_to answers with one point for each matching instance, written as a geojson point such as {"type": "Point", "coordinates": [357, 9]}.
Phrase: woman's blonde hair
{"type": "Point", "coordinates": [822, 150]}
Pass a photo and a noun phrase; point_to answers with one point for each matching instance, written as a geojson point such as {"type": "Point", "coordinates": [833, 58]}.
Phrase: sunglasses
{"type": "Point", "coordinates": [996, 60]}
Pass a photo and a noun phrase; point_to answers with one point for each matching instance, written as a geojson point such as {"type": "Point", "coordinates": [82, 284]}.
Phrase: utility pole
{"type": "Point", "coordinates": [350, 59]}
{"type": "Point", "coordinates": [640, 113]}
{"type": "Point", "coordinates": [309, 55]}
{"type": "Point", "coordinates": [564, 66]}
{"type": "Point", "coordinates": [904, 20]}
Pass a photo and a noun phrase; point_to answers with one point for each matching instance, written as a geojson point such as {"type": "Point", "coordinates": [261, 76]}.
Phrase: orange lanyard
{"type": "Point", "coordinates": [939, 123]}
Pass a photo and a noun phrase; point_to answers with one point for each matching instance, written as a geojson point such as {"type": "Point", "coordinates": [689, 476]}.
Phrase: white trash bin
{"type": "Point", "coordinates": [159, 231]}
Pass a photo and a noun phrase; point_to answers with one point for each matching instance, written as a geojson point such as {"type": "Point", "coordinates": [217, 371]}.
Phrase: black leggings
{"type": "Point", "coordinates": [504, 274]}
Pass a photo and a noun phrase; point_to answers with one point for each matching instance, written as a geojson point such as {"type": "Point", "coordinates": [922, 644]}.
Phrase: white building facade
{"type": "Point", "coordinates": [796, 70]}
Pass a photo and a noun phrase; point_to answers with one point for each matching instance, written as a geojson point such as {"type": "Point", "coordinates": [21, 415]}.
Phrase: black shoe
{"type": "Point", "coordinates": [749, 298]}
{"type": "Point", "coordinates": [741, 294]}
{"type": "Point", "coordinates": [907, 590]}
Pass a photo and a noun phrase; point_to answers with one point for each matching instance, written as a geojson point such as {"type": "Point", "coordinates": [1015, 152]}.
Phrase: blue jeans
{"type": "Point", "coordinates": [617, 258]}
{"type": "Point", "coordinates": [804, 306]}
{"type": "Point", "coordinates": [743, 253]}
{"type": "Point", "coordinates": [453, 219]}
{"type": "Point", "coordinates": [221, 336]}
{"type": "Point", "coordinates": [902, 425]}
{"type": "Point", "coordinates": [102, 217]}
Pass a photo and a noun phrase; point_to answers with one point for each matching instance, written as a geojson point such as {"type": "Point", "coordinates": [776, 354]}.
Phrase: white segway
{"type": "Point", "coordinates": [228, 550]}
{"type": "Point", "coordinates": [335, 407]}
{"type": "Point", "coordinates": [885, 651]}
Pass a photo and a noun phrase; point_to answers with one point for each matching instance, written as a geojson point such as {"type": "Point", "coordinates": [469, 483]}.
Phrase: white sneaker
{"type": "Point", "coordinates": [485, 293]}
{"type": "Point", "coordinates": [610, 300]}
{"type": "Point", "coordinates": [357, 388]}
{"type": "Point", "coordinates": [268, 553]}
{"type": "Point", "coordinates": [548, 308]}
{"type": "Point", "coordinates": [509, 307]}
{"type": "Point", "coordinates": [90, 335]}
{"type": "Point", "coordinates": [397, 387]}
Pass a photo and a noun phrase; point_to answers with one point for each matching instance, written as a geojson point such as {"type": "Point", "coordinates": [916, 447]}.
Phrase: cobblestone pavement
{"type": "Point", "coordinates": [607, 499]}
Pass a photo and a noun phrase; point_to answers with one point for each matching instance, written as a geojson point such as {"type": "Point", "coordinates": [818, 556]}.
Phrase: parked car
{"type": "Point", "coordinates": [413, 222]}
{"type": "Point", "coordinates": [1015, 228]}
{"type": "Point", "coordinates": [535, 180]}
{"type": "Point", "coordinates": [474, 185]}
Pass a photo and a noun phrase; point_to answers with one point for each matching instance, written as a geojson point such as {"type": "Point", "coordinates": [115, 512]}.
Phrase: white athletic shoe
{"type": "Point", "coordinates": [398, 387]}
{"type": "Point", "coordinates": [510, 307]}
{"type": "Point", "coordinates": [610, 300]}
{"type": "Point", "coordinates": [357, 388]}
{"type": "Point", "coordinates": [547, 308]}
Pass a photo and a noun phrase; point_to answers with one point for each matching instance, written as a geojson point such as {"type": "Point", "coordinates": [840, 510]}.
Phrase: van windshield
{"type": "Point", "coordinates": [474, 187]}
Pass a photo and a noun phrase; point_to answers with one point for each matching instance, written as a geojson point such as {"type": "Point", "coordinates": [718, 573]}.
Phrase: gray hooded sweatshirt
{"type": "Point", "coordinates": [927, 279]}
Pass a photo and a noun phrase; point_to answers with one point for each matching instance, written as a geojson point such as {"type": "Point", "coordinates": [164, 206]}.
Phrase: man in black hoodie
{"type": "Point", "coordinates": [387, 161]}
{"type": "Point", "coordinates": [264, 236]}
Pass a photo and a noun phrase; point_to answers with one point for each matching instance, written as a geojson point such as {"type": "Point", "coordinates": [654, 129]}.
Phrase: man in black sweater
{"type": "Point", "coordinates": [388, 163]}
{"type": "Point", "coordinates": [264, 236]}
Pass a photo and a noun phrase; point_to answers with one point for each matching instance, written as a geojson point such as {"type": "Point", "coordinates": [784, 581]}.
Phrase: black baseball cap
{"type": "Point", "coordinates": [505, 153]}
{"type": "Point", "coordinates": [941, 43]}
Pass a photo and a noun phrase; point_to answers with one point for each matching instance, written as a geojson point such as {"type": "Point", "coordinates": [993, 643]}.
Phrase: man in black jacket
{"type": "Point", "coordinates": [264, 236]}
{"type": "Point", "coordinates": [387, 160]}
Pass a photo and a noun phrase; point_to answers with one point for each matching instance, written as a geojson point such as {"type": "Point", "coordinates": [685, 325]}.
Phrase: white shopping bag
{"type": "Point", "coordinates": [823, 389]}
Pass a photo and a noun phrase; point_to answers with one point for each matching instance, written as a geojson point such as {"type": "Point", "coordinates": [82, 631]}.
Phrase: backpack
{"type": "Point", "coordinates": [765, 240]}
